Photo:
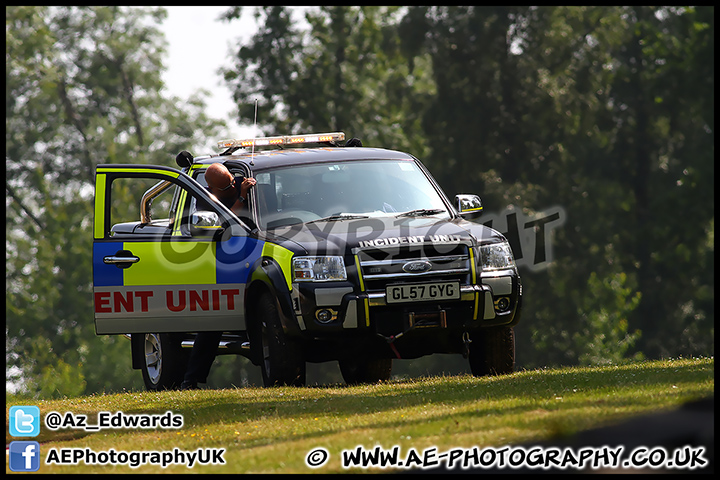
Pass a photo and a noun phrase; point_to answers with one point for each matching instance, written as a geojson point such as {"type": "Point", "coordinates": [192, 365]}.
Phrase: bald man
{"type": "Point", "coordinates": [221, 183]}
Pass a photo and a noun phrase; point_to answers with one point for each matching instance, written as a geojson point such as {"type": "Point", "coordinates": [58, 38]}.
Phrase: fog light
{"type": "Point", "coordinates": [325, 315]}
{"type": "Point", "coordinates": [502, 304]}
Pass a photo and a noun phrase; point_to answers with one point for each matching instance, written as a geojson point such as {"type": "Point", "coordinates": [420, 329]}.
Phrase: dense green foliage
{"type": "Point", "coordinates": [607, 112]}
{"type": "Point", "coordinates": [83, 87]}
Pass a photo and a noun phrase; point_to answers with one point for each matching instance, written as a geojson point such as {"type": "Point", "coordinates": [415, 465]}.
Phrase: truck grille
{"type": "Point", "coordinates": [419, 263]}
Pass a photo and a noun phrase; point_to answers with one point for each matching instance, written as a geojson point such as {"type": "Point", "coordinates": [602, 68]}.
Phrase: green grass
{"type": "Point", "coordinates": [272, 430]}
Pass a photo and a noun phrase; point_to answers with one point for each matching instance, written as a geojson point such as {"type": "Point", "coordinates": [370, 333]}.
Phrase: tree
{"type": "Point", "coordinates": [668, 117]}
{"type": "Point", "coordinates": [82, 87]}
{"type": "Point", "coordinates": [590, 108]}
{"type": "Point", "coordinates": [347, 72]}
{"type": "Point", "coordinates": [625, 141]}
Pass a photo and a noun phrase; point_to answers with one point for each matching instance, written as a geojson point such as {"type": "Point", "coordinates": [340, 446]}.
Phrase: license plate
{"type": "Point", "coordinates": [422, 293]}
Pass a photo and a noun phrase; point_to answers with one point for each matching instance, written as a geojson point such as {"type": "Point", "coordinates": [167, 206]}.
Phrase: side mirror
{"type": "Point", "coordinates": [204, 223]}
{"type": "Point", "coordinates": [468, 206]}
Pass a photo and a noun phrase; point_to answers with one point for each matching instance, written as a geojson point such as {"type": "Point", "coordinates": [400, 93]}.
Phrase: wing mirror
{"type": "Point", "coordinates": [205, 223]}
{"type": "Point", "coordinates": [468, 206]}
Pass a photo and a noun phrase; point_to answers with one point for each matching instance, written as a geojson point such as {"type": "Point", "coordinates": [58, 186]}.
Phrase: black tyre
{"type": "Point", "coordinates": [365, 371]}
{"type": "Point", "coordinates": [165, 361]}
{"type": "Point", "coordinates": [493, 352]}
{"type": "Point", "coordinates": [281, 359]}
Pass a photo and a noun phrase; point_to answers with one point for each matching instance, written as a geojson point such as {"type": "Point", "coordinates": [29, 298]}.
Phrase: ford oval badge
{"type": "Point", "coordinates": [417, 266]}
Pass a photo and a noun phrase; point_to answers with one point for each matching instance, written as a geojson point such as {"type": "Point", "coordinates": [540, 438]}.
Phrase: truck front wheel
{"type": "Point", "coordinates": [282, 361]}
{"type": "Point", "coordinates": [493, 353]}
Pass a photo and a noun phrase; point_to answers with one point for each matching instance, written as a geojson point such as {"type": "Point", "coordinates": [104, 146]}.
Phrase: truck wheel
{"type": "Point", "coordinates": [365, 371]}
{"type": "Point", "coordinates": [493, 353]}
{"type": "Point", "coordinates": [282, 361]}
{"type": "Point", "coordinates": [165, 361]}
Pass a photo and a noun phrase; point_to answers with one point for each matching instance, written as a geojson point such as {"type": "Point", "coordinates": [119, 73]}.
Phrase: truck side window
{"type": "Point", "coordinates": [126, 211]}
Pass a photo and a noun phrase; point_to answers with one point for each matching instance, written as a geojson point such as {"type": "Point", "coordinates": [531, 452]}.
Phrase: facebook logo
{"type": "Point", "coordinates": [24, 421]}
{"type": "Point", "coordinates": [24, 456]}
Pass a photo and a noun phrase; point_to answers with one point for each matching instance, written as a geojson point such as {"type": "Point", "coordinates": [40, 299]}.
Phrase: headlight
{"type": "Point", "coordinates": [496, 256]}
{"type": "Point", "coordinates": [318, 269]}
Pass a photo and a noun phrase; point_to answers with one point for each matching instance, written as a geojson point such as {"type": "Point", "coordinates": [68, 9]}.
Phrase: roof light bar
{"type": "Point", "coordinates": [281, 140]}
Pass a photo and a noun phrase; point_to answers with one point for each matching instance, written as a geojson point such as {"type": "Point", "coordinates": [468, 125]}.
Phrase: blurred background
{"type": "Point", "coordinates": [605, 114]}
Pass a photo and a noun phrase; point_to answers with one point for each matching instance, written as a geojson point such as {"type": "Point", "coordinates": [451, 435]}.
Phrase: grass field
{"type": "Point", "coordinates": [273, 430]}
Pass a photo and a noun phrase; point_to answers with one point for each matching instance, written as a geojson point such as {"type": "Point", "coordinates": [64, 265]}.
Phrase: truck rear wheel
{"type": "Point", "coordinates": [493, 353]}
{"type": "Point", "coordinates": [282, 361]}
{"type": "Point", "coordinates": [164, 361]}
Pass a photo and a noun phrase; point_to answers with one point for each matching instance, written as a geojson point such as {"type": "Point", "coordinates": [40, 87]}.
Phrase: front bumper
{"type": "Point", "coordinates": [325, 310]}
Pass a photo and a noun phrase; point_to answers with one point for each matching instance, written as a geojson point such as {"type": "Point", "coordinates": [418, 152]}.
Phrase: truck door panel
{"type": "Point", "coordinates": [156, 276]}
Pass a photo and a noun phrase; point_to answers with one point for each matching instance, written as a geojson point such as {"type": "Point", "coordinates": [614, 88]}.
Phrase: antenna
{"type": "Point", "coordinates": [252, 154]}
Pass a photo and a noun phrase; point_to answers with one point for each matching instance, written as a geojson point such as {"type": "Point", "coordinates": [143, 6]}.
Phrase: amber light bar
{"type": "Point", "coordinates": [282, 140]}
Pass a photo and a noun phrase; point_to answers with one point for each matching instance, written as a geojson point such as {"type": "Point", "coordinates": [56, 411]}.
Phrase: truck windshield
{"type": "Point", "coordinates": [337, 191]}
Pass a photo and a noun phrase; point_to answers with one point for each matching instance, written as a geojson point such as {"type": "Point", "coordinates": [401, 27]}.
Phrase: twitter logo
{"type": "Point", "coordinates": [24, 421]}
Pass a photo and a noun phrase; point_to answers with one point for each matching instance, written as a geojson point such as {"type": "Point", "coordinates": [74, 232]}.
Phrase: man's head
{"type": "Point", "coordinates": [220, 181]}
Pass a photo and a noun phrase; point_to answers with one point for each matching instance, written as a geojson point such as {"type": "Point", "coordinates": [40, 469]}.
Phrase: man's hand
{"type": "Point", "coordinates": [245, 186]}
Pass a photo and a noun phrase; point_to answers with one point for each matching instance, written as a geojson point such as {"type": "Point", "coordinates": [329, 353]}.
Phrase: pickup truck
{"type": "Point", "coordinates": [344, 253]}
